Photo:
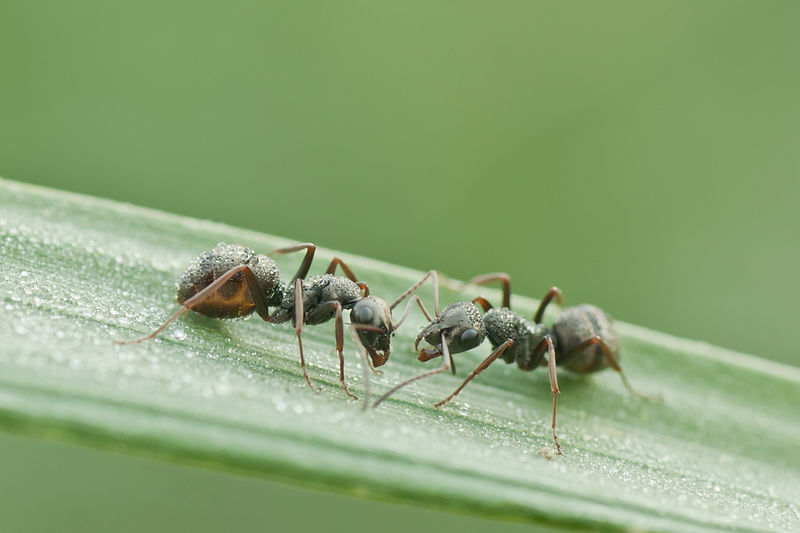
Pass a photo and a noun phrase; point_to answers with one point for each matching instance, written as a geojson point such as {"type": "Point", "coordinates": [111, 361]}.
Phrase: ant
{"type": "Point", "coordinates": [582, 339]}
{"type": "Point", "coordinates": [231, 281]}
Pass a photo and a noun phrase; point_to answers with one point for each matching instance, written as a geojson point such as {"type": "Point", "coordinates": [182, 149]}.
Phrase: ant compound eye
{"type": "Point", "coordinates": [469, 336]}
{"type": "Point", "coordinates": [362, 315]}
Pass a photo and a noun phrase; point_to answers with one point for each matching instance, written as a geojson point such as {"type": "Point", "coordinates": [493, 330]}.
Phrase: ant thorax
{"type": "Point", "coordinates": [317, 290]}
{"type": "Point", "coordinates": [502, 324]}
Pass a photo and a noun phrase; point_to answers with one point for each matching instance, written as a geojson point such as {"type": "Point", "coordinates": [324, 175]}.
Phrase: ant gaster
{"type": "Point", "coordinates": [582, 339]}
{"type": "Point", "coordinates": [231, 281]}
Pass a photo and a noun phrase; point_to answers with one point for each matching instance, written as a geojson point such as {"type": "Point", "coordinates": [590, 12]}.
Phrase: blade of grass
{"type": "Point", "coordinates": [78, 272]}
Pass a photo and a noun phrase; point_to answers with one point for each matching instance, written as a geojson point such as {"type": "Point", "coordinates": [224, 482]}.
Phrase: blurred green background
{"type": "Point", "coordinates": [644, 156]}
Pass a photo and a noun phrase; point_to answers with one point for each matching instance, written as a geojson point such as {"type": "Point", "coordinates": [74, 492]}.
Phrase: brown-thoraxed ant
{"type": "Point", "coordinates": [231, 281]}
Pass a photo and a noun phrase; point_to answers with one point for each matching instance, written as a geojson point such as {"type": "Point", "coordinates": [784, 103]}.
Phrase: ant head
{"type": "Point", "coordinates": [372, 319]}
{"type": "Point", "coordinates": [464, 327]}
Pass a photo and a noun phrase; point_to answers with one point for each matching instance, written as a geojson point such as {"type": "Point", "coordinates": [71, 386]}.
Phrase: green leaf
{"type": "Point", "coordinates": [77, 273]}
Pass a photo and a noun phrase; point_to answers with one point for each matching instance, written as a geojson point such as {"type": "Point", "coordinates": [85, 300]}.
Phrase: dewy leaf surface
{"type": "Point", "coordinates": [721, 452]}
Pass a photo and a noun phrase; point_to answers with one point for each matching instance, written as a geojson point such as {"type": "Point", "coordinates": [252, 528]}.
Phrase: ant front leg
{"type": "Point", "coordinates": [323, 309]}
{"type": "Point", "coordinates": [414, 299]}
{"type": "Point", "coordinates": [365, 362]}
{"type": "Point", "coordinates": [252, 284]}
{"type": "Point", "coordinates": [448, 360]}
{"type": "Point", "coordinates": [435, 282]}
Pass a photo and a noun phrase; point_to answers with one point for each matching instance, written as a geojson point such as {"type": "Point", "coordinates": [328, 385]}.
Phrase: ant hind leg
{"type": "Point", "coordinates": [611, 359]}
{"type": "Point", "coordinates": [252, 284]}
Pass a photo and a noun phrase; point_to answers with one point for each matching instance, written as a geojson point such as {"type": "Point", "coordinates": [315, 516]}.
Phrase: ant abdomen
{"type": "Point", "coordinates": [233, 299]}
{"type": "Point", "coordinates": [577, 324]}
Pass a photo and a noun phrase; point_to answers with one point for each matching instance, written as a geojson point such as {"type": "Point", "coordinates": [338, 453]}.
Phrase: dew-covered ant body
{"type": "Point", "coordinates": [231, 281]}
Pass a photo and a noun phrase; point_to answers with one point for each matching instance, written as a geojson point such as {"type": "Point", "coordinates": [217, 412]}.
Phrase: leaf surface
{"type": "Point", "coordinates": [721, 452]}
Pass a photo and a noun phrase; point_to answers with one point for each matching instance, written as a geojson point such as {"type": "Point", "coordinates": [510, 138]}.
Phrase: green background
{"type": "Point", "coordinates": [641, 155]}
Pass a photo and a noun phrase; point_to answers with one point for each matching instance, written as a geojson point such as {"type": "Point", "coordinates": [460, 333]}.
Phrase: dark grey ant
{"type": "Point", "coordinates": [582, 339]}
{"type": "Point", "coordinates": [231, 281]}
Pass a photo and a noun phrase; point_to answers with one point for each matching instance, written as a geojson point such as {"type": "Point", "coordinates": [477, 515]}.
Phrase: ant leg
{"type": "Point", "coordinates": [502, 277]}
{"type": "Point", "coordinates": [434, 280]}
{"type": "Point", "coordinates": [252, 283]}
{"type": "Point", "coordinates": [551, 367]}
{"type": "Point", "coordinates": [372, 352]}
{"type": "Point", "coordinates": [413, 299]}
{"type": "Point", "coordinates": [612, 362]}
{"type": "Point", "coordinates": [554, 292]}
{"type": "Point", "coordinates": [366, 366]}
{"type": "Point", "coordinates": [546, 344]}
{"type": "Point", "coordinates": [444, 368]}
{"type": "Point", "coordinates": [336, 261]}
{"type": "Point", "coordinates": [340, 347]}
{"type": "Point", "coordinates": [483, 302]}
{"type": "Point", "coordinates": [299, 318]}
{"type": "Point", "coordinates": [478, 369]}
{"type": "Point", "coordinates": [426, 355]}
{"type": "Point", "coordinates": [347, 272]}
{"type": "Point", "coordinates": [310, 248]}
{"type": "Point", "coordinates": [320, 311]}
{"type": "Point", "coordinates": [161, 328]}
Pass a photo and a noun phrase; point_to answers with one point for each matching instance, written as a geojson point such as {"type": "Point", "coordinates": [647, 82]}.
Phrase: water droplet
{"type": "Point", "coordinates": [179, 334]}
